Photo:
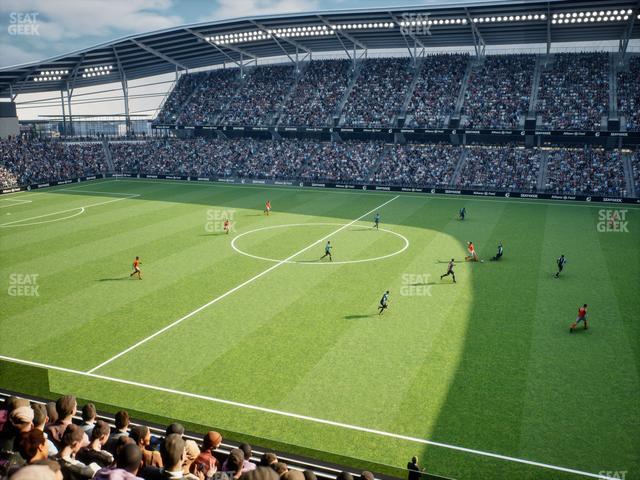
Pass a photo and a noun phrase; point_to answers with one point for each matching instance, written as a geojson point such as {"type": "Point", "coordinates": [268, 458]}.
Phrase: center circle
{"type": "Point", "coordinates": [339, 262]}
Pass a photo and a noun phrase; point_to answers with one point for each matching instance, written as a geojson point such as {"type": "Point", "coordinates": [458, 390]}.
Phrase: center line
{"type": "Point", "coordinates": [236, 288]}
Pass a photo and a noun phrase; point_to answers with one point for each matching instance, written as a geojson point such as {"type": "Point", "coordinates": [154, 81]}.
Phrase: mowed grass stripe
{"type": "Point", "coordinates": [257, 278]}
{"type": "Point", "coordinates": [101, 306]}
{"type": "Point", "coordinates": [579, 384]}
{"type": "Point", "coordinates": [294, 297]}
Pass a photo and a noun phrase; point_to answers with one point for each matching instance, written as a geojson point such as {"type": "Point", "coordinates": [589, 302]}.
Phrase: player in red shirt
{"type": "Point", "coordinates": [226, 226]}
{"type": "Point", "coordinates": [473, 256]}
{"type": "Point", "coordinates": [136, 268]}
{"type": "Point", "coordinates": [582, 317]}
{"type": "Point", "coordinates": [267, 207]}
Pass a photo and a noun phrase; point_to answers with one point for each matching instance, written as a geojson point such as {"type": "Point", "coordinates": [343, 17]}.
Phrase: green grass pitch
{"type": "Point", "coordinates": [487, 364]}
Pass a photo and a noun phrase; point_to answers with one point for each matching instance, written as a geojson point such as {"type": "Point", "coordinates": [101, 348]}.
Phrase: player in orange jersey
{"type": "Point", "coordinates": [226, 225]}
{"type": "Point", "coordinates": [267, 207]}
{"type": "Point", "coordinates": [582, 317]}
{"type": "Point", "coordinates": [136, 268]}
{"type": "Point", "coordinates": [473, 256]}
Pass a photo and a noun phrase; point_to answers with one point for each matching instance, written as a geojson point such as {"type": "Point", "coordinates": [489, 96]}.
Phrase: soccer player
{"type": "Point", "coordinates": [582, 317]}
{"type": "Point", "coordinates": [376, 221]}
{"type": "Point", "coordinates": [498, 254]}
{"type": "Point", "coordinates": [449, 271]}
{"type": "Point", "coordinates": [384, 302]}
{"type": "Point", "coordinates": [136, 268]}
{"type": "Point", "coordinates": [473, 256]}
{"type": "Point", "coordinates": [226, 226]}
{"type": "Point", "coordinates": [327, 251]}
{"type": "Point", "coordinates": [561, 261]}
{"type": "Point", "coordinates": [463, 212]}
{"type": "Point", "coordinates": [267, 207]}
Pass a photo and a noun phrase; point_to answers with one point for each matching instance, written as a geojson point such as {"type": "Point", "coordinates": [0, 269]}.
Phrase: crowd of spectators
{"type": "Point", "coordinates": [585, 171]}
{"type": "Point", "coordinates": [45, 442]}
{"type": "Point", "coordinates": [505, 168]}
{"type": "Point", "coordinates": [635, 166]}
{"type": "Point", "coordinates": [570, 171]}
{"type": "Point", "coordinates": [341, 162]}
{"type": "Point", "coordinates": [436, 92]}
{"type": "Point", "coordinates": [178, 96]}
{"type": "Point", "coordinates": [574, 91]}
{"type": "Point", "coordinates": [257, 99]}
{"type": "Point", "coordinates": [498, 92]}
{"type": "Point", "coordinates": [379, 93]}
{"type": "Point", "coordinates": [210, 97]}
{"type": "Point", "coordinates": [317, 94]}
{"type": "Point", "coordinates": [195, 157]}
{"type": "Point", "coordinates": [25, 162]}
{"type": "Point", "coordinates": [629, 94]}
{"type": "Point", "coordinates": [418, 165]}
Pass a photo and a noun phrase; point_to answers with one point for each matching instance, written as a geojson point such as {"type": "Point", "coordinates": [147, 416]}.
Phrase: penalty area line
{"type": "Point", "coordinates": [307, 418]}
{"type": "Point", "coordinates": [236, 288]}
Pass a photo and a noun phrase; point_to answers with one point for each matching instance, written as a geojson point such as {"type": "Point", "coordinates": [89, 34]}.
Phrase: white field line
{"type": "Point", "coordinates": [17, 201]}
{"type": "Point", "coordinates": [308, 418]}
{"type": "Point", "coordinates": [20, 223]}
{"type": "Point", "coordinates": [236, 288]}
{"type": "Point", "coordinates": [434, 196]}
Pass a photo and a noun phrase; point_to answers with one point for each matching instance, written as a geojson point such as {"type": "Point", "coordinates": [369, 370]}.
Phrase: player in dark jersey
{"type": "Point", "coordinates": [498, 254]}
{"type": "Point", "coordinates": [463, 212]}
{"type": "Point", "coordinates": [327, 251]}
{"type": "Point", "coordinates": [376, 221]}
{"type": "Point", "coordinates": [384, 302]}
{"type": "Point", "coordinates": [561, 261]}
{"type": "Point", "coordinates": [449, 271]}
{"type": "Point", "coordinates": [582, 317]}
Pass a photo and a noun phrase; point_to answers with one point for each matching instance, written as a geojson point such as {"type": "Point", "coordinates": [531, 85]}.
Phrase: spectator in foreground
{"type": "Point", "coordinates": [72, 441]}
{"type": "Point", "coordinates": [261, 473]}
{"type": "Point", "coordinates": [268, 459]}
{"type": "Point", "coordinates": [122, 427]}
{"type": "Point", "coordinates": [207, 461]}
{"type": "Point", "coordinates": [88, 418]}
{"type": "Point", "coordinates": [141, 435]}
{"type": "Point", "coordinates": [33, 446]}
{"type": "Point", "coordinates": [65, 409]}
{"type": "Point", "coordinates": [94, 453]}
{"type": "Point", "coordinates": [128, 463]}
{"type": "Point", "coordinates": [40, 419]}
{"type": "Point", "coordinates": [414, 469]}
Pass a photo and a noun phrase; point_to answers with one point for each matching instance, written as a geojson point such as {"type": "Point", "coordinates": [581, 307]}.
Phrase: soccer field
{"type": "Point", "coordinates": [251, 334]}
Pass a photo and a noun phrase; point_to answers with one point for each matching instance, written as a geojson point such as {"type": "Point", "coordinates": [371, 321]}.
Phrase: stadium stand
{"type": "Point", "coordinates": [317, 94]}
{"type": "Point", "coordinates": [177, 98]}
{"type": "Point", "coordinates": [498, 92]}
{"type": "Point", "coordinates": [574, 91]}
{"type": "Point", "coordinates": [629, 94]}
{"type": "Point", "coordinates": [436, 90]}
{"type": "Point", "coordinates": [29, 162]}
{"type": "Point", "coordinates": [379, 93]}
{"type": "Point", "coordinates": [635, 166]}
{"type": "Point", "coordinates": [418, 165]}
{"type": "Point", "coordinates": [210, 97]}
{"type": "Point", "coordinates": [257, 99]}
{"type": "Point", "coordinates": [585, 171]}
{"type": "Point", "coordinates": [507, 168]}
{"type": "Point", "coordinates": [569, 171]}
{"type": "Point", "coordinates": [23, 450]}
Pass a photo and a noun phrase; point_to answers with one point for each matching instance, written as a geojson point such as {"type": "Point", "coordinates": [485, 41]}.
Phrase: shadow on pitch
{"type": "Point", "coordinates": [356, 317]}
{"type": "Point", "coordinates": [117, 279]}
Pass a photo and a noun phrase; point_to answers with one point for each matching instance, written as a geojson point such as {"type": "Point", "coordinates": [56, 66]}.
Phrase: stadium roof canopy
{"type": "Point", "coordinates": [244, 40]}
